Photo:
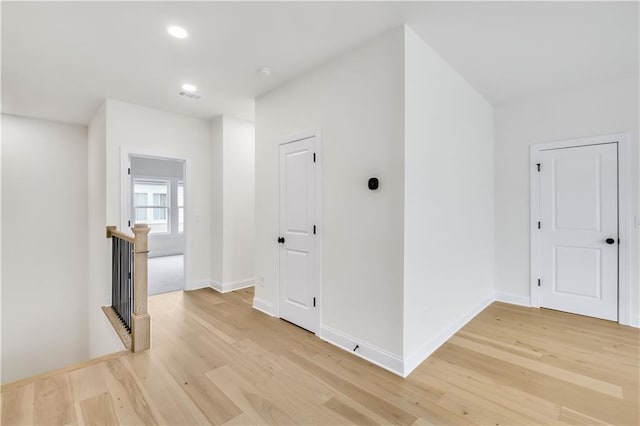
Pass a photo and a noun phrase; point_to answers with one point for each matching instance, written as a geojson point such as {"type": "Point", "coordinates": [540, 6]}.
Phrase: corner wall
{"type": "Point", "coordinates": [44, 246]}
{"type": "Point", "coordinates": [239, 203]}
{"type": "Point", "coordinates": [232, 203]}
{"type": "Point", "coordinates": [216, 193]}
{"type": "Point", "coordinates": [597, 110]}
{"type": "Point", "coordinates": [357, 102]}
{"type": "Point", "coordinates": [449, 211]}
{"type": "Point", "coordinates": [102, 337]}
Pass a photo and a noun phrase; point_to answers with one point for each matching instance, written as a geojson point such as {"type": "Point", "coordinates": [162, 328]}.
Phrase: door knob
{"type": "Point", "coordinates": [281, 240]}
{"type": "Point", "coordinates": [609, 241]}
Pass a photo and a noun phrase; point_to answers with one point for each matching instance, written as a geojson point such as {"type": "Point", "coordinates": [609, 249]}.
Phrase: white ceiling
{"type": "Point", "coordinates": [60, 60]}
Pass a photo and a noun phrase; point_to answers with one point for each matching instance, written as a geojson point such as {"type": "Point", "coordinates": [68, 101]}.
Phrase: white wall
{"type": "Point", "coordinates": [216, 193]}
{"type": "Point", "coordinates": [232, 203]}
{"type": "Point", "coordinates": [238, 201]}
{"type": "Point", "coordinates": [44, 246]}
{"type": "Point", "coordinates": [602, 109]}
{"type": "Point", "coordinates": [147, 131]}
{"type": "Point", "coordinates": [448, 216]}
{"type": "Point", "coordinates": [357, 102]}
{"type": "Point", "coordinates": [102, 337]}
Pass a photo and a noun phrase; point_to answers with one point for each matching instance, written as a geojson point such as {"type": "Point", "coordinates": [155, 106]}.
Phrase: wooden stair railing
{"type": "Point", "coordinates": [128, 312]}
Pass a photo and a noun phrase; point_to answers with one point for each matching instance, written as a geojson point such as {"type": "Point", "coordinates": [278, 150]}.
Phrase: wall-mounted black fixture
{"type": "Point", "coordinates": [373, 183]}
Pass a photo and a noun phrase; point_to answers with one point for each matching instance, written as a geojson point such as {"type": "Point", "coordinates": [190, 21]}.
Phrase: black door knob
{"type": "Point", "coordinates": [609, 241]}
{"type": "Point", "coordinates": [281, 240]}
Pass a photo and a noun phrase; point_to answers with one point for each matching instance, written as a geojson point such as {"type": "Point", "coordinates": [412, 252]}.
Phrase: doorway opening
{"type": "Point", "coordinates": [157, 198]}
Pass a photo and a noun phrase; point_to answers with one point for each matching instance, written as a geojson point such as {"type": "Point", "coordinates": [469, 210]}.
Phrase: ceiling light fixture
{"type": "Point", "coordinates": [189, 87]}
{"type": "Point", "coordinates": [177, 32]}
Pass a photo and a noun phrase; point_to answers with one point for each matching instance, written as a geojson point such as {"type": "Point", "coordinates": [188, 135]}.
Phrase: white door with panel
{"type": "Point", "coordinates": [298, 260]}
{"type": "Point", "coordinates": [579, 230]}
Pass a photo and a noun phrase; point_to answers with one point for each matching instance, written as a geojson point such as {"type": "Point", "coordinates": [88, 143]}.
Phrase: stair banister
{"type": "Point", "coordinates": [141, 321]}
{"type": "Point", "coordinates": [130, 320]}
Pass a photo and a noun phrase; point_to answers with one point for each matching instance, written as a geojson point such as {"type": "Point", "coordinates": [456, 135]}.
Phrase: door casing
{"type": "Point", "coordinates": [126, 152]}
{"type": "Point", "coordinates": [294, 138]}
{"type": "Point", "coordinates": [625, 218]}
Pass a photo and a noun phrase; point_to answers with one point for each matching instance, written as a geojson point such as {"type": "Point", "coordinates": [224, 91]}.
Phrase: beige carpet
{"type": "Point", "coordinates": [166, 274]}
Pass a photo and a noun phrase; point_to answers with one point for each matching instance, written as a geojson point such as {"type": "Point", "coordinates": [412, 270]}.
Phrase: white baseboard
{"type": "Point", "coordinates": [232, 286]}
{"type": "Point", "coordinates": [429, 347]}
{"type": "Point", "coordinates": [263, 306]}
{"type": "Point", "coordinates": [371, 353]}
{"type": "Point", "coordinates": [635, 321]}
{"type": "Point", "coordinates": [164, 253]}
{"type": "Point", "coordinates": [513, 299]}
{"type": "Point", "coordinates": [197, 285]}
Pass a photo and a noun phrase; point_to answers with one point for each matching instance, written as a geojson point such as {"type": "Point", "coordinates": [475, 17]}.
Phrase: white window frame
{"type": "Point", "coordinates": [178, 207]}
{"type": "Point", "coordinates": [152, 180]}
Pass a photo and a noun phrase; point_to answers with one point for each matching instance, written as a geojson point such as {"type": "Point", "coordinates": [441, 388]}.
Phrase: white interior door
{"type": "Point", "coordinates": [298, 227]}
{"type": "Point", "coordinates": [579, 230]}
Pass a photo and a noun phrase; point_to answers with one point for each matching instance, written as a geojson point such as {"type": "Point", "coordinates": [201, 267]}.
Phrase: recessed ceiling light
{"type": "Point", "coordinates": [189, 88]}
{"type": "Point", "coordinates": [177, 32]}
{"type": "Point", "coordinates": [264, 72]}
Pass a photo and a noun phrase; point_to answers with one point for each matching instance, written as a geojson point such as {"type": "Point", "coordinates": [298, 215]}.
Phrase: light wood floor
{"type": "Point", "coordinates": [216, 360]}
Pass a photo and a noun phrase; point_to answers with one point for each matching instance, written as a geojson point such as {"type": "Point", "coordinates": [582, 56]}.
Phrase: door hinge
{"type": "Point", "coordinates": [539, 225]}
{"type": "Point", "coordinates": [538, 164]}
{"type": "Point", "coordinates": [129, 171]}
{"type": "Point", "coordinates": [314, 302]}
{"type": "Point", "coordinates": [314, 230]}
{"type": "Point", "coordinates": [314, 157]}
{"type": "Point", "coordinates": [538, 282]}
{"type": "Point", "coordinates": [128, 223]}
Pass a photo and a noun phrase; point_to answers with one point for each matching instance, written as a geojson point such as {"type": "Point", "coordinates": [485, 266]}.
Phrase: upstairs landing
{"type": "Point", "coordinates": [216, 360]}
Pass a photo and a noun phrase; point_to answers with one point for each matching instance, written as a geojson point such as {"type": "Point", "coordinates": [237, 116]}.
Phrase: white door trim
{"type": "Point", "coordinates": [319, 229]}
{"type": "Point", "coordinates": [625, 216]}
{"type": "Point", "coordinates": [126, 152]}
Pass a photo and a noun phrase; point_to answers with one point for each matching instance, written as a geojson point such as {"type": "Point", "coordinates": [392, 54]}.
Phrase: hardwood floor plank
{"type": "Point", "coordinates": [539, 410]}
{"type": "Point", "coordinates": [384, 409]}
{"type": "Point", "coordinates": [257, 406]}
{"type": "Point", "coordinates": [17, 406]}
{"type": "Point", "coordinates": [277, 373]}
{"type": "Point", "coordinates": [84, 384]}
{"type": "Point", "coordinates": [419, 399]}
{"type": "Point", "coordinates": [131, 404]}
{"type": "Point", "coordinates": [287, 385]}
{"type": "Point", "coordinates": [208, 397]}
{"type": "Point", "coordinates": [348, 412]}
{"type": "Point", "coordinates": [173, 403]}
{"type": "Point", "coordinates": [575, 418]}
{"type": "Point", "coordinates": [543, 386]}
{"type": "Point", "coordinates": [53, 401]}
{"type": "Point", "coordinates": [566, 375]}
{"type": "Point", "coordinates": [99, 410]}
{"type": "Point", "coordinates": [242, 420]}
{"type": "Point", "coordinates": [215, 360]}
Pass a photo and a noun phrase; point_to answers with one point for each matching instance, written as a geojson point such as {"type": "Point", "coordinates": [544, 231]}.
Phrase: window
{"type": "Point", "coordinates": [159, 200]}
{"type": "Point", "coordinates": [156, 213]}
{"type": "Point", "coordinates": [180, 206]}
{"type": "Point", "coordinates": [141, 200]}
